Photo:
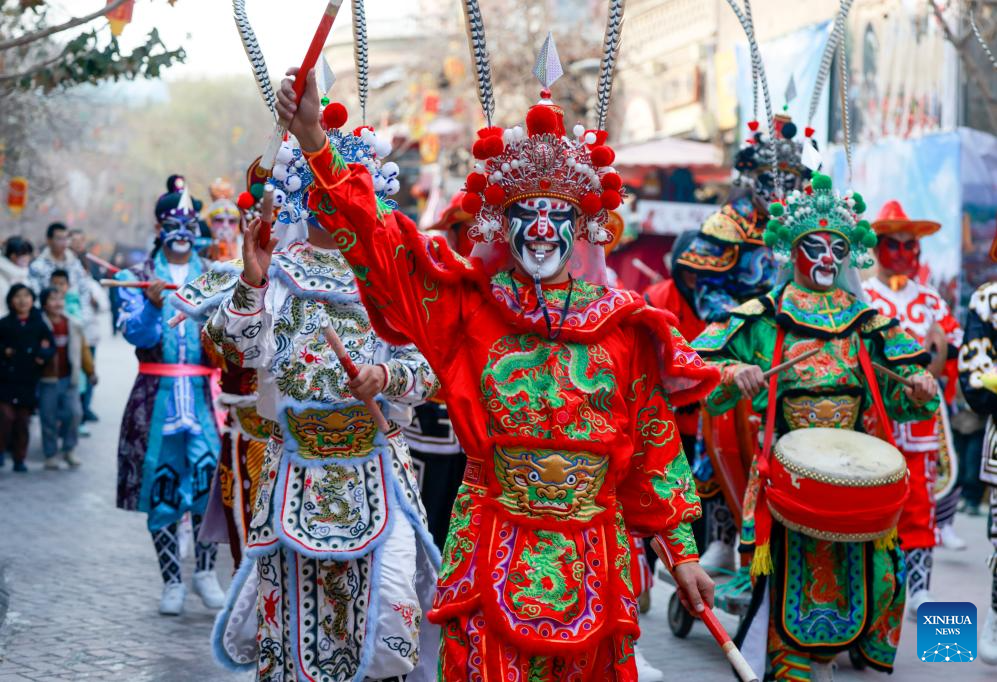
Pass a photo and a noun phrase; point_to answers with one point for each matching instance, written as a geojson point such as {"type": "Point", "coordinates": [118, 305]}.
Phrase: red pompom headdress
{"type": "Point", "coordinates": [514, 164]}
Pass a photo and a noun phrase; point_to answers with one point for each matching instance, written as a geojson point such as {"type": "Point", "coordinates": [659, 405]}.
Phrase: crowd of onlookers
{"type": "Point", "coordinates": [48, 342]}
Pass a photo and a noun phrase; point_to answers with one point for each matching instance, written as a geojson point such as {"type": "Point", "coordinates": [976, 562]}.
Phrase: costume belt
{"type": "Point", "coordinates": [163, 369]}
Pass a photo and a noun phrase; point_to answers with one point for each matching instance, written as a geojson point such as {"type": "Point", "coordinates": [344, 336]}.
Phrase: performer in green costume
{"type": "Point", "coordinates": [816, 597]}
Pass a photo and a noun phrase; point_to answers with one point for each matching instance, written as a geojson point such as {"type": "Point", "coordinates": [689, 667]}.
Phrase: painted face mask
{"type": "Point", "coordinates": [819, 257]}
{"type": "Point", "coordinates": [225, 227]}
{"type": "Point", "coordinates": [542, 235]}
{"type": "Point", "coordinates": [899, 256]}
{"type": "Point", "coordinates": [178, 234]}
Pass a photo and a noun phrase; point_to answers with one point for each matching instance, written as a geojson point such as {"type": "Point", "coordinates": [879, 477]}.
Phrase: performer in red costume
{"type": "Point", "coordinates": [560, 390]}
{"type": "Point", "coordinates": [922, 313]}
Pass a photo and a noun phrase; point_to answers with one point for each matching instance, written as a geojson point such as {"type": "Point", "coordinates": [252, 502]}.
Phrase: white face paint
{"type": "Point", "coordinates": [542, 235]}
{"type": "Point", "coordinates": [179, 246]}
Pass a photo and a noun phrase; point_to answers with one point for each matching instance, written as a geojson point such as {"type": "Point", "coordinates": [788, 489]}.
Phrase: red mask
{"type": "Point", "coordinates": [899, 257]}
{"type": "Point", "coordinates": [819, 257]}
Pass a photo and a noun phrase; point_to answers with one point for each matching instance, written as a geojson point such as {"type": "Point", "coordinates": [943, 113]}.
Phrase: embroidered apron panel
{"type": "Point", "coordinates": [552, 484]}
{"type": "Point", "coordinates": [345, 433]}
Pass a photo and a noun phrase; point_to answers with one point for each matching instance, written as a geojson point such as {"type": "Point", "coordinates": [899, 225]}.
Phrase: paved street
{"type": "Point", "coordinates": [84, 586]}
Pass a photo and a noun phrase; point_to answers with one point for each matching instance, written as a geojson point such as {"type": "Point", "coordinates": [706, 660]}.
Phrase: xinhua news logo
{"type": "Point", "coordinates": [946, 632]}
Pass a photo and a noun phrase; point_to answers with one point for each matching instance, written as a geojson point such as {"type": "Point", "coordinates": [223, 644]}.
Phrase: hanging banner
{"type": "Point", "coordinates": [17, 195]}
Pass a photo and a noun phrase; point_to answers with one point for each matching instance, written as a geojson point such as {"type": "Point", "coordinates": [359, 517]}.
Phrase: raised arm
{"type": "Point", "coordinates": [410, 284]}
{"type": "Point", "coordinates": [140, 320]}
{"type": "Point", "coordinates": [411, 380]}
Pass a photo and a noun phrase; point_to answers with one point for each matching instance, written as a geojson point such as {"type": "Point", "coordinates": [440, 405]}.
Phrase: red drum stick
{"type": "Point", "coordinates": [103, 264]}
{"type": "Point", "coordinates": [352, 372]}
{"type": "Point", "coordinates": [734, 655]}
{"type": "Point", "coordinates": [266, 216]}
{"type": "Point", "coordinates": [307, 64]}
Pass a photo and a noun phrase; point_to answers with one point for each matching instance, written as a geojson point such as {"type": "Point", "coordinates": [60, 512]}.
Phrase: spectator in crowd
{"type": "Point", "coordinates": [59, 280]}
{"type": "Point", "coordinates": [968, 430]}
{"type": "Point", "coordinates": [58, 256]}
{"type": "Point", "coordinates": [59, 392]}
{"type": "Point", "coordinates": [26, 344]}
{"type": "Point", "coordinates": [99, 303]}
{"type": "Point", "coordinates": [17, 253]}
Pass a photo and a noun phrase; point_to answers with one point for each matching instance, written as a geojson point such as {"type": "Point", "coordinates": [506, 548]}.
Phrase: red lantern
{"type": "Point", "coordinates": [120, 16]}
{"type": "Point", "coordinates": [17, 195]}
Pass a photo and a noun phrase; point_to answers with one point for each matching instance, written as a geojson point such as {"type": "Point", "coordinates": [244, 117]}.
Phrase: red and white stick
{"type": "Point", "coordinates": [734, 655]}
{"type": "Point", "coordinates": [352, 372]}
{"type": "Point", "coordinates": [111, 269]}
{"type": "Point", "coordinates": [646, 270]}
{"type": "Point", "coordinates": [125, 284]}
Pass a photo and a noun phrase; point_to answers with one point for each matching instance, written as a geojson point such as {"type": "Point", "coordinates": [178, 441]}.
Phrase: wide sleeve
{"type": "Point", "coordinates": [658, 492]}
{"type": "Point", "coordinates": [729, 346]}
{"type": "Point", "coordinates": [411, 381]}
{"type": "Point", "coordinates": [411, 285]}
{"type": "Point", "coordinates": [894, 348]}
{"type": "Point", "coordinates": [978, 359]}
{"type": "Point", "coordinates": [139, 320]}
{"type": "Point", "coordinates": [241, 328]}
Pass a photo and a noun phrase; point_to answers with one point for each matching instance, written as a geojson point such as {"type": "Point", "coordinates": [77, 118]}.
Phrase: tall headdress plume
{"type": "Point", "coordinates": [255, 55]}
{"type": "Point", "coordinates": [757, 66]}
{"type": "Point", "coordinates": [360, 55]}
{"type": "Point", "coordinates": [610, 53]}
{"type": "Point", "coordinates": [825, 61]}
{"type": "Point", "coordinates": [479, 57]}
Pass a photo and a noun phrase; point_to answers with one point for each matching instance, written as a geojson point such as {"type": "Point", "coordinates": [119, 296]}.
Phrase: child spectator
{"type": "Point", "coordinates": [26, 344]}
{"type": "Point", "coordinates": [59, 280]}
{"type": "Point", "coordinates": [59, 391]}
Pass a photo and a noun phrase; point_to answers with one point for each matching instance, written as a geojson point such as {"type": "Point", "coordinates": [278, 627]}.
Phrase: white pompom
{"type": "Point", "coordinates": [496, 176]}
{"type": "Point", "coordinates": [479, 167]}
{"type": "Point", "coordinates": [379, 183]}
{"type": "Point", "coordinates": [280, 172]}
{"type": "Point", "coordinates": [390, 169]}
{"type": "Point", "coordinates": [367, 135]}
{"type": "Point", "coordinates": [382, 147]}
{"type": "Point", "coordinates": [590, 138]}
{"type": "Point", "coordinates": [506, 167]}
{"type": "Point", "coordinates": [519, 132]}
{"type": "Point", "coordinates": [293, 183]}
{"type": "Point", "coordinates": [578, 130]}
{"type": "Point", "coordinates": [279, 197]}
{"type": "Point", "coordinates": [515, 164]}
{"type": "Point", "coordinates": [393, 186]}
{"type": "Point", "coordinates": [285, 154]}
{"type": "Point", "coordinates": [508, 135]}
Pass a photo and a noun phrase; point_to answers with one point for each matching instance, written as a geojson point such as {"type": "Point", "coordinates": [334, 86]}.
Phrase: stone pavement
{"type": "Point", "coordinates": [84, 585]}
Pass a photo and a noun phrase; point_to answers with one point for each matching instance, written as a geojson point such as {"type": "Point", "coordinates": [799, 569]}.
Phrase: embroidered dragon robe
{"type": "Point", "coordinates": [822, 597]}
{"type": "Point", "coordinates": [342, 565]}
{"type": "Point", "coordinates": [570, 440]}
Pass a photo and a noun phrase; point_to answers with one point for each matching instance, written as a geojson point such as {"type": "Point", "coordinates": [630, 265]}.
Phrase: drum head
{"type": "Point", "coordinates": [840, 456]}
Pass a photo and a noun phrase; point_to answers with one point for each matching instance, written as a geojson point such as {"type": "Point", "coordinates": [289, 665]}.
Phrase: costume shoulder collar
{"type": "Point", "coordinates": [199, 297]}
{"type": "Point", "coordinates": [829, 314]}
{"type": "Point", "coordinates": [315, 273]}
{"type": "Point", "coordinates": [592, 310]}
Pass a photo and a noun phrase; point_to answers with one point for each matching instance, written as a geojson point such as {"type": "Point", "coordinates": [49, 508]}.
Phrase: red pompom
{"type": "Point", "coordinates": [612, 181]}
{"type": "Point", "coordinates": [808, 131]}
{"type": "Point", "coordinates": [245, 201]}
{"type": "Point", "coordinates": [600, 137]}
{"type": "Point", "coordinates": [475, 182]}
{"type": "Point", "coordinates": [752, 126]}
{"type": "Point", "coordinates": [334, 116]}
{"type": "Point", "coordinates": [358, 131]}
{"type": "Point", "coordinates": [541, 120]}
{"type": "Point", "coordinates": [602, 156]}
{"type": "Point", "coordinates": [479, 151]}
{"type": "Point", "coordinates": [493, 146]}
{"type": "Point", "coordinates": [611, 199]}
{"type": "Point", "coordinates": [495, 195]}
{"type": "Point", "coordinates": [494, 131]}
{"type": "Point", "coordinates": [471, 203]}
{"type": "Point", "coordinates": [590, 204]}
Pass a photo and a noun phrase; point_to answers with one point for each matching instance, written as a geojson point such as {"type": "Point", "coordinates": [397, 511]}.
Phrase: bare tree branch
{"type": "Point", "coordinates": [51, 30]}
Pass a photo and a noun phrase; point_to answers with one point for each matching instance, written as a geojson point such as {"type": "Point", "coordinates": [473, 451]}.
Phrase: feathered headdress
{"type": "Point", "coordinates": [514, 164]}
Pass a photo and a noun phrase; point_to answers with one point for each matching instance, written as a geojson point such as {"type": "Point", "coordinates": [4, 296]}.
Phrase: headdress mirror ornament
{"type": "Point", "coordinates": [818, 208]}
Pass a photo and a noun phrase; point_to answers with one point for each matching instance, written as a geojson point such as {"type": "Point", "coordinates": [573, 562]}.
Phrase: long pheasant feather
{"type": "Point", "coordinates": [610, 53]}
{"type": "Point", "coordinates": [255, 55]}
{"type": "Point", "coordinates": [479, 57]}
{"type": "Point", "coordinates": [360, 54]}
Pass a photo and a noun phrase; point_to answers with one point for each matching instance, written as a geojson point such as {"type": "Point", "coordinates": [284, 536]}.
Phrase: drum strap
{"type": "Point", "coordinates": [761, 562]}
{"type": "Point", "coordinates": [886, 426]}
